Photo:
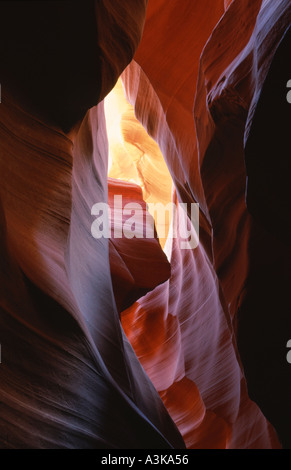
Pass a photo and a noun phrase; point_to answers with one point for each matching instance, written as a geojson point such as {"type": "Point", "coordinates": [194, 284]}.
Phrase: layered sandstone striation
{"type": "Point", "coordinates": [109, 343]}
{"type": "Point", "coordinates": [202, 130]}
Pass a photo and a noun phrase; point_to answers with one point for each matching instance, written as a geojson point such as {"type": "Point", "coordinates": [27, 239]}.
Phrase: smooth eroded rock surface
{"type": "Point", "coordinates": [111, 343]}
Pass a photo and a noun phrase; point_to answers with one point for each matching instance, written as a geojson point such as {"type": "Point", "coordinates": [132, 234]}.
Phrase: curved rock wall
{"type": "Point", "coordinates": [171, 376]}
{"type": "Point", "coordinates": [233, 64]}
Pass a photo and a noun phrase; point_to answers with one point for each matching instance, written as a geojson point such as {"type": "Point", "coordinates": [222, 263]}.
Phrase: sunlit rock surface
{"type": "Point", "coordinates": [109, 343]}
{"type": "Point", "coordinates": [135, 157]}
{"type": "Point", "coordinates": [209, 154]}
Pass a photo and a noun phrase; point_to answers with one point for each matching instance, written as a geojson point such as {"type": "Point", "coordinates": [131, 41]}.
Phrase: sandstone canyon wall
{"type": "Point", "coordinates": [109, 343]}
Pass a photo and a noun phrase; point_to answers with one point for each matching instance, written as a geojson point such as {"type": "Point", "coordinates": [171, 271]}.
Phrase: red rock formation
{"type": "Point", "coordinates": [128, 255]}
{"type": "Point", "coordinates": [71, 377]}
{"type": "Point", "coordinates": [212, 159]}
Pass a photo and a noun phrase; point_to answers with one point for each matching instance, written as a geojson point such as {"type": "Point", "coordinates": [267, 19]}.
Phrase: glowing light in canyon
{"type": "Point", "coordinates": [110, 341]}
{"type": "Point", "coordinates": [134, 156]}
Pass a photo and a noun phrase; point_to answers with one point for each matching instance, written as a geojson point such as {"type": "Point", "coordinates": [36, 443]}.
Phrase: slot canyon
{"type": "Point", "coordinates": [138, 342]}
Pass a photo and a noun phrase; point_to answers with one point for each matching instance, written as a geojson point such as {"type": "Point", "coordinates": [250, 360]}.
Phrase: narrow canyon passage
{"type": "Point", "coordinates": [115, 332]}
